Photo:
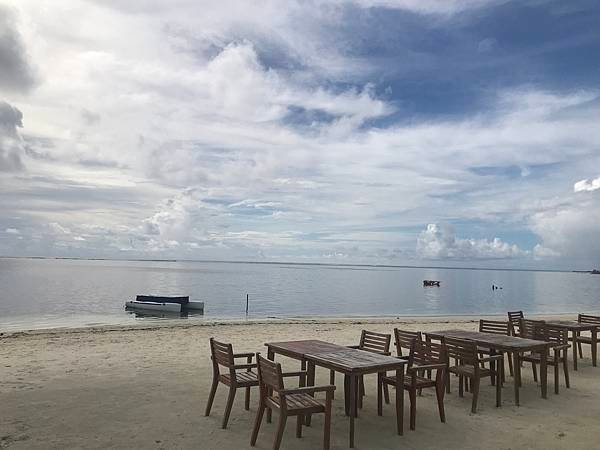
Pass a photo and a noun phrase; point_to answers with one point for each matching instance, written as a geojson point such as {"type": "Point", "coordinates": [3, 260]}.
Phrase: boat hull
{"type": "Point", "coordinates": [154, 306]}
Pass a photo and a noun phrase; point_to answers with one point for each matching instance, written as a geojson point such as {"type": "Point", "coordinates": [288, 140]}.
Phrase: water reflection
{"type": "Point", "coordinates": [147, 314]}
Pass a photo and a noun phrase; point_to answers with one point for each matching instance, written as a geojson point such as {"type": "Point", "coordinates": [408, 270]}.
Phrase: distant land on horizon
{"type": "Point", "coordinates": [399, 266]}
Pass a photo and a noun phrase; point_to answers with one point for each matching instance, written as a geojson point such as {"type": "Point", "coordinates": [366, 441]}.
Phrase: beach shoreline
{"type": "Point", "coordinates": [146, 387]}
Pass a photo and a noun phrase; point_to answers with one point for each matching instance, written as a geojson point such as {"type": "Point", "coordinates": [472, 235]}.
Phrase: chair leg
{"type": "Point", "coordinates": [460, 385]}
{"type": "Point", "coordinates": [299, 420]}
{"type": "Point", "coordinates": [534, 368]}
{"type": "Point", "coordinates": [475, 391]}
{"type": "Point", "coordinates": [361, 391]}
{"type": "Point", "coordinates": [211, 396]}
{"type": "Point", "coordinates": [379, 394]}
{"type": "Point", "coordinates": [386, 394]}
{"type": "Point", "coordinates": [230, 399]}
{"type": "Point", "coordinates": [332, 378]}
{"type": "Point", "coordinates": [510, 365]}
{"type": "Point", "coordinates": [566, 369]}
{"type": "Point", "coordinates": [247, 400]}
{"type": "Point", "coordinates": [327, 425]}
{"type": "Point", "coordinates": [500, 370]}
{"type": "Point", "coordinates": [257, 422]}
{"type": "Point", "coordinates": [413, 408]}
{"type": "Point", "coordinates": [439, 392]}
{"type": "Point", "coordinates": [556, 375]}
{"type": "Point", "coordinates": [447, 383]}
{"type": "Point", "coordinates": [280, 428]}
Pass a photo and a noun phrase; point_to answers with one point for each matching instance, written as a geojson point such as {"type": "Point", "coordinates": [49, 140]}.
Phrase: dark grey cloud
{"type": "Point", "coordinates": [11, 144]}
{"type": "Point", "coordinates": [17, 73]}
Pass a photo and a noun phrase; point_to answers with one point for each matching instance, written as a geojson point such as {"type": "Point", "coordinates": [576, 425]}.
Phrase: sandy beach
{"type": "Point", "coordinates": [146, 387]}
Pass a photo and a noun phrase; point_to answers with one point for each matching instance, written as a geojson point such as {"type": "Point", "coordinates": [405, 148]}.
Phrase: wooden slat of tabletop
{"type": "Point", "coordinates": [299, 349]}
{"type": "Point", "coordinates": [572, 325]}
{"type": "Point", "coordinates": [353, 360]}
{"type": "Point", "coordinates": [495, 340]}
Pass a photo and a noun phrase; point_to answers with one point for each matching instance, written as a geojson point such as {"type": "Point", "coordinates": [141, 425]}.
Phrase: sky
{"type": "Point", "coordinates": [409, 132]}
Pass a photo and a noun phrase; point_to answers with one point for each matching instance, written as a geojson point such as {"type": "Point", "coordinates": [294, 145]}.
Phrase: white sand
{"type": "Point", "coordinates": [147, 388]}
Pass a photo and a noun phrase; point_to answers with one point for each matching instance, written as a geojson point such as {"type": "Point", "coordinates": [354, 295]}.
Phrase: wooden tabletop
{"type": "Point", "coordinates": [498, 341]}
{"type": "Point", "coordinates": [351, 360]}
{"type": "Point", "coordinates": [299, 349]}
{"type": "Point", "coordinates": [572, 325]}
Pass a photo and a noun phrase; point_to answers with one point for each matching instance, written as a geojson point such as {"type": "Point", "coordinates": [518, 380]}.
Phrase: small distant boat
{"type": "Point", "coordinates": [431, 283]}
{"type": "Point", "coordinates": [166, 304]}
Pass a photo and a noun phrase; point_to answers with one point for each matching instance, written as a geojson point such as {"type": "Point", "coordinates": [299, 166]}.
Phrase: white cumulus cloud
{"type": "Point", "coordinates": [587, 185]}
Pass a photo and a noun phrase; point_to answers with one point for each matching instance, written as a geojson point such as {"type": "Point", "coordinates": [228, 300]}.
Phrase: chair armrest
{"type": "Point", "coordinates": [492, 358]}
{"type": "Point", "coordinates": [245, 366]}
{"type": "Point", "coordinates": [244, 355]}
{"type": "Point", "coordinates": [353, 346]}
{"type": "Point", "coordinates": [560, 347]}
{"type": "Point", "coordinates": [307, 390]}
{"type": "Point", "coordinates": [426, 367]}
{"type": "Point", "coordinates": [402, 357]}
{"type": "Point", "coordinates": [300, 373]}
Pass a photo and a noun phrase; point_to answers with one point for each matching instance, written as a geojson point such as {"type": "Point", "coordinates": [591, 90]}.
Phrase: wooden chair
{"type": "Point", "coordinates": [559, 339]}
{"type": "Point", "coordinates": [423, 356]}
{"type": "Point", "coordinates": [595, 320]}
{"type": "Point", "coordinates": [298, 402]}
{"type": "Point", "coordinates": [468, 367]}
{"type": "Point", "coordinates": [236, 376]}
{"type": "Point", "coordinates": [514, 317]}
{"type": "Point", "coordinates": [370, 341]}
{"type": "Point", "coordinates": [496, 327]}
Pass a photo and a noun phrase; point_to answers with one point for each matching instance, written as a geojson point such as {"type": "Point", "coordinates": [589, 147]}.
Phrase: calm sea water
{"type": "Point", "coordinates": [48, 293]}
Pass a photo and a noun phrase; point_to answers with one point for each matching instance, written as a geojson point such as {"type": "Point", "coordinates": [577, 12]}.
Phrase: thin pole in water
{"type": "Point", "coordinates": [246, 304]}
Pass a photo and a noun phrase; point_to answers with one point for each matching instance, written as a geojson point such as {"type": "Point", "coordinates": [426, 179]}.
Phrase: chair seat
{"type": "Point", "coordinates": [243, 378]}
{"type": "Point", "coordinates": [469, 371]}
{"type": "Point", "coordinates": [420, 382]}
{"type": "Point", "coordinates": [301, 402]}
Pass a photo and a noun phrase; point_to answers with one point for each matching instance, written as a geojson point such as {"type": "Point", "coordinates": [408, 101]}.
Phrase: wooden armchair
{"type": "Point", "coordinates": [468, 367]}
{"type": "Point", "coordinates": [514, 318]}
{"type": "Point", "coordinates": [236, 376]}
{"type": "Point", "coordinates": [496, 327]}
{"type": "Point", "coordinates": [556, 352]}
{"type": "Point", "coordinates": [591, 340]}
{"type": "Point", "coordinates": [298, 402]}
{"type": "Point", "coordinates": [423, 356]}
{"type": "Point", "coordinates": [370, 341]}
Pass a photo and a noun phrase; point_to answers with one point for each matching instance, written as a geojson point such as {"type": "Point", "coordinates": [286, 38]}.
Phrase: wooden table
{"type": "Point", "coordinates": [512, 344]}
{"type": "Point", "coordinates": [575, 327]}
{"type": "Point", "coordinates": [352, 363]}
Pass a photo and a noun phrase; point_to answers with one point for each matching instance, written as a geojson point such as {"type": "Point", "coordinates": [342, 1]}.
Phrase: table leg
{"type": "Point", "coordinates": [310, 381]}
{"type": "Point", "coordinates": [271, 357]}
{"type": "Point", "coordinates": [574, 350]}
{"type": "Point", "coordinates": [493, 367]}
{"type": "Point", "coordinates": [544, 372]}
{"type": "Point", "coordinates": [400, 400]}
{"type": "Point", "coordinates": [352, 389]}
{"type": "Point", "coordinates": [517, 379]}
{"type": "Point", "coordinates": [347, 395]}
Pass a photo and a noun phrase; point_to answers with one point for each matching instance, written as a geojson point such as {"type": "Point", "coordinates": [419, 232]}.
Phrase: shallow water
{"type": "Point", "coordinates": [38, 293]}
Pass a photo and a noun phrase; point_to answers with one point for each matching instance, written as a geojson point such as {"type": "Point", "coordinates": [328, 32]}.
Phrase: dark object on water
{"type": "Point", "coordinates": [494, 287]}
{"type": "Point", "coordinates": [157, 299]}
{"type": "Point", "coordinates": [595, 272]}
{"type": "Point", "coordinates": [431, 283]}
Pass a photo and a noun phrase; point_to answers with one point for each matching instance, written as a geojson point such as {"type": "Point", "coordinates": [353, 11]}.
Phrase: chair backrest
{"type": "Point", "coordinates": [532, 329]}
{"type": "Point", "coordinates": [464, 350]}
{"type": "Point", "coordinates": [269, 374]}
{"type": "Point", "coordinates": [423, 353]}
{"type": "Point", "coordinates": [375, 342]}
{"type": "Point", "coordinates": [514, 317]}
{"type": "Point", "coordinates": [557, 336]}
{"type": "Point", "coordinates": [405, 339]}
{"type": "Point", "coordinates": [587, 318]}
{"type": "Point", "coordinates": [221, 353]}
{"type": "Point", "coordinates": [494, 327]}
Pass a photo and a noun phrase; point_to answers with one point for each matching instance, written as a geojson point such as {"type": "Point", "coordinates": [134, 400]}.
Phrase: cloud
{"type": "Point", "coordinates": [440, 242]}
{"type": "Point", "coordinates": [587, 185]}
{"type": "Point", "coordinates": [11, 143]}
{"type": "Point", "coordinates": [17, 74]}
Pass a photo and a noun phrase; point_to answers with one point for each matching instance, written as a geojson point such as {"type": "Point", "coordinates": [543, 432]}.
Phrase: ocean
{"type": "Point", "coordinates": [45, 293]}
